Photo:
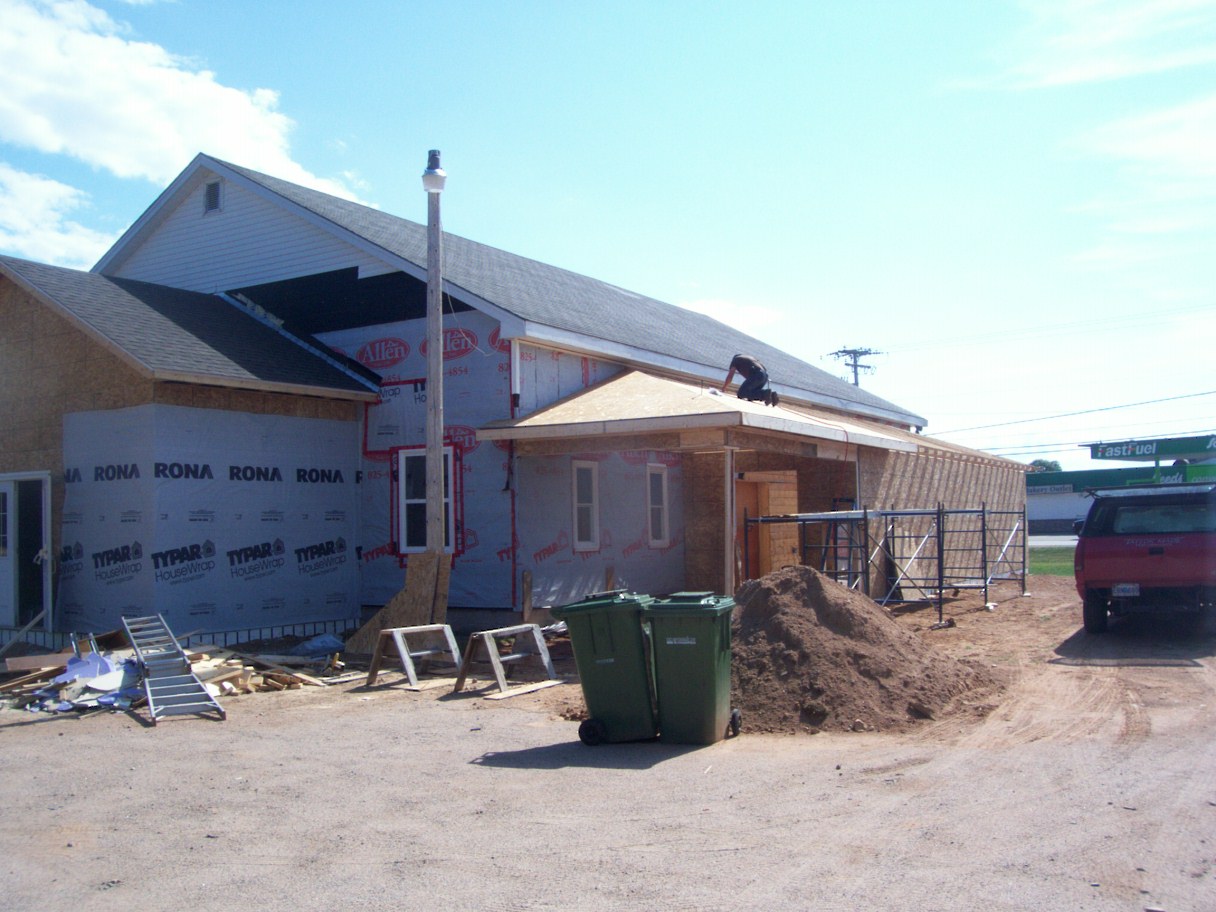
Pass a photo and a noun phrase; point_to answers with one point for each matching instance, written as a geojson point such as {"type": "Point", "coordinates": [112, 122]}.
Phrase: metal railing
{"type": "Point", "coordinates": [898, 556]}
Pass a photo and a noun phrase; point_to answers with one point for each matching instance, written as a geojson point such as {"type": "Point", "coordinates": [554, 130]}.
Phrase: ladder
{"type": "Point", "coordinates": [169, 682]}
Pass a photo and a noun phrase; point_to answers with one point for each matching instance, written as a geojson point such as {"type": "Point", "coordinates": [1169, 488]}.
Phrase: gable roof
{"type": "Point", "coordinates": [186, 336]}
{"type": "Point", "coordinates": [539, 302]}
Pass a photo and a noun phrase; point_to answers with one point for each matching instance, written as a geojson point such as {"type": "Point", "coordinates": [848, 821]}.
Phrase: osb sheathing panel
{"type": "Point", "coordinates": [904, 481]}
{"type": "Point", "coordinates": [704, 485]}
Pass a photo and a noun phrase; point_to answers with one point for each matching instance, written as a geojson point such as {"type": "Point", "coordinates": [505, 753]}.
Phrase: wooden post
{"type": "Point", "coordinates": [525, 599]}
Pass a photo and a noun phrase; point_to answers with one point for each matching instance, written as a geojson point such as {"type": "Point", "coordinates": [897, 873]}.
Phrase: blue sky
{"type": "Point", "coordinates": [1011, 201]}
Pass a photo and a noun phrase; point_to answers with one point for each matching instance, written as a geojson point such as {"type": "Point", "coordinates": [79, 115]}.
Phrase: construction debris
{"type": "Point", "coordinates": [111, 680]}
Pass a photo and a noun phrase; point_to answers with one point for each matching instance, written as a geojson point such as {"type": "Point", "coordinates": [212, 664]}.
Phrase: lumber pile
{"type": "Point", "coordinates": [232, 672]}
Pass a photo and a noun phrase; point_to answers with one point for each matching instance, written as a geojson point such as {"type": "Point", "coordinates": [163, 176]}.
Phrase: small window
{"type": "Point", "coordinates": [586, 506]}
{"type": "Point", "coordinates": [211, 197]}
{"type": "Point", "coordinates": [411, 501]}
{"type": "Point", "coordinates": [656, 502]}
{"type": "Point", "coordinates": [3, 523]}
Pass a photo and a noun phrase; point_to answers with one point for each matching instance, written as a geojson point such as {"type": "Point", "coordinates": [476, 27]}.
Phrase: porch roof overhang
{"type": "Point", "coordinates": [636, 403]}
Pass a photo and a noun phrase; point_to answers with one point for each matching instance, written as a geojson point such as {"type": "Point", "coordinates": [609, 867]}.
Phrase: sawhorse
{"type": "Point", "coordinates": [438, 641]}
{"type": "Point", "coordinates": [528, 643]}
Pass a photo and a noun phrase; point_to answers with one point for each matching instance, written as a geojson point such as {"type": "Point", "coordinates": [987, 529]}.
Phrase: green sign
{"type": "Point", "coordinates": [1169, 447]}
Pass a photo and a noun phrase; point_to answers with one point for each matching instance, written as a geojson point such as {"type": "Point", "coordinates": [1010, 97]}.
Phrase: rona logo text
{"type": "Point", "coordinates": [179, 470]}
{"type": "Point", "coordinates": [254, 473]}
{"type": "Point", "coordinates": [119, 472]}
{"type": "Point", "coordinates": [319, 476]}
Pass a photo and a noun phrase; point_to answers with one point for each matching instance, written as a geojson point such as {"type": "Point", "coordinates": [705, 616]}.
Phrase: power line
{"type": "Point", "coordinates": [1108, 408]}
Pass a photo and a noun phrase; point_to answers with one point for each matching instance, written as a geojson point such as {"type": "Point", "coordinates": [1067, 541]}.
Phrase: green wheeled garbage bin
{"type": "Point", "coordinates": [613, 665]}
{"type": "Point", "coordinates": [690, 636]}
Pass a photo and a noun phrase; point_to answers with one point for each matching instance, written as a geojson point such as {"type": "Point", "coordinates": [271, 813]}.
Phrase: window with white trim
{"type": "Point", "coordinates": [586, 496]}
{"type": "Point", "coordinates": [656, 506]}
{"type": "Point", "coordinates": [411, 500]}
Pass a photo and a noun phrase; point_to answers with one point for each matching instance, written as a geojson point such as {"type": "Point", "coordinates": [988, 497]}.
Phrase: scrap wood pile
{"type": "Point", "coordinates": [110, 678]}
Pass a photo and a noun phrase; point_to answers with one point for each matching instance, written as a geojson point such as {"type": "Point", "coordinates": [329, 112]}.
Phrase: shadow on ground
{"type": "Point", "coordinates": [1163, 639]}
{"type": "Point", "coordinates": [634, 755]}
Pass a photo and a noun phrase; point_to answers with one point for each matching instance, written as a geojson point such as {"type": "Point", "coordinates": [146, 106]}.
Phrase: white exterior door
{"type": "Point", "coordinates": [8, 553]}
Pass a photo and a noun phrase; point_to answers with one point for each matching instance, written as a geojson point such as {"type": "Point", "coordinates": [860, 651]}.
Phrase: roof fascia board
{"type": "Point", "coordinates": [825, 432]}
{"type": "Point", "coordinates": [774, 424]}
{"type": "Point", "coordinates": [566, 340]}
{"type": "Point", "coordinates": [615, 428]}
{"type": "Point", "coordinates": [321, 392]}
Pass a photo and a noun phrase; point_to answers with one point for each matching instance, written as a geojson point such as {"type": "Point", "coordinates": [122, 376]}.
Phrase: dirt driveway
{"type": "Point", "coordinates": [1091, 784]}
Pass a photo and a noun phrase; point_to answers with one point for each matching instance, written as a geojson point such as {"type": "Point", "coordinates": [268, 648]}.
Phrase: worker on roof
{"type": "Point", "coordinates": [755, 380]}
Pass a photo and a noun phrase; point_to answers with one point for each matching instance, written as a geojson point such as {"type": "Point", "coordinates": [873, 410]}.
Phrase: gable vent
{"type": "Point", "coordinates": [211, 199]}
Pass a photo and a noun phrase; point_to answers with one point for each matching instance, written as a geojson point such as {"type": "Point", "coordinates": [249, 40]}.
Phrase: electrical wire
{"type": "Point", "coordinates": [1108, 408]}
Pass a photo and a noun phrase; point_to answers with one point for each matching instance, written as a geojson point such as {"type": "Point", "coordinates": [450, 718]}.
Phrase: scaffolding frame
{"type": "Point", "coordinates": [915, 555]}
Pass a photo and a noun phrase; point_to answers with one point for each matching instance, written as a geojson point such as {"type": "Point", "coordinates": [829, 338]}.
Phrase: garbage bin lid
{"type": "Point", "coordinates": [616, 600]}
{"type": "Point", "coordinates": [693, 603]}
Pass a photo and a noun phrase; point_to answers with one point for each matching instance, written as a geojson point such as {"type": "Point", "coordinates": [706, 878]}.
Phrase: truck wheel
{"type": "Point", "coordinates": [1094, 613]}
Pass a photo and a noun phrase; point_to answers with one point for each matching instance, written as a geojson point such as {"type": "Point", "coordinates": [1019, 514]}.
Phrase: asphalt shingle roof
{"type": "Point", "coordinates": [183, 333]}
{"type": "Point", "coordinates": [550, 296]}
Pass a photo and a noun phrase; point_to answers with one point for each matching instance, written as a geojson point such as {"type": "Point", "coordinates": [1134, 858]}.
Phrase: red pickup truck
{"type": "Point", "coordinates": [1147, 548]}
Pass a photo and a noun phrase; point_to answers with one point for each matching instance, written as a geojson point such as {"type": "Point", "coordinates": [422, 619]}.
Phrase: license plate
{"type": "Point", "coordinates": [1125, 590]}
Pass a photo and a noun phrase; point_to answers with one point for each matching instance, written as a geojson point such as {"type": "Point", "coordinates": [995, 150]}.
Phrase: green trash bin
{"type": "Point", "coordinates": [690, 637]}
{"type": "Point", "coordinates": [613, 665]}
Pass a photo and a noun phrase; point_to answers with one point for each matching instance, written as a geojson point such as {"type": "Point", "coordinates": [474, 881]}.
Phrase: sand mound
{"type": "Point", "coordinates": [811, 655]}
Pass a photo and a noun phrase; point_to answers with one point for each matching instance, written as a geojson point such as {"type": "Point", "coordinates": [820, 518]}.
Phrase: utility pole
{"type": "Point", "coordinates": [854, 356]}
{"type": "Point", "coordinates": [433, 180]}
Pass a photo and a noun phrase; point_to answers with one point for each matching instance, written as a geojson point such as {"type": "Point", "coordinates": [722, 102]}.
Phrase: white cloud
{"type": "Point", "coordinates": [35, 221]}
{"type": "Point", "coordinates": [1165, 182]}
{"type": "Point", "coordinates": [1081, 41]}
{"type": "Point", "coordinates": [1176, 143]}
{"type": "Point", "coordinates": [72, 84]}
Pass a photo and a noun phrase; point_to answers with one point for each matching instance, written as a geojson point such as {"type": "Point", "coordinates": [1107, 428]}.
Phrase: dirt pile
{"type": "Point", "coordinates": [811, 655]}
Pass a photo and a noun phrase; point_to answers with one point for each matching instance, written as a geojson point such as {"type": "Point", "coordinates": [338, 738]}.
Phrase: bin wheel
{"type": "Point", "coordinates": [592, 732]}
{"type": "Point", "coordinates": [736, 722]}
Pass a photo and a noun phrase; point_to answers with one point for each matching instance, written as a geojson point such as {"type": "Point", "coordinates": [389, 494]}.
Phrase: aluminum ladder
{"type": "Point", "coordinates": [169, 682]}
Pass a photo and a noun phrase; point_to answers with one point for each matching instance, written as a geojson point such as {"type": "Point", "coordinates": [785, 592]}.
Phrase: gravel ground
{"type": "Point", "coordinates": [1090, 785]}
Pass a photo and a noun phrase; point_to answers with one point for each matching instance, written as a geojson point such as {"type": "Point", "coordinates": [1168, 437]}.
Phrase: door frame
{"type": "Point", "coordinates": [45, 552]}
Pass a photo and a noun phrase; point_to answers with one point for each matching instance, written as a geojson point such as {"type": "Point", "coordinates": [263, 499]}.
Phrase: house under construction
{"type": "Point", "coordinates": [224, 423]}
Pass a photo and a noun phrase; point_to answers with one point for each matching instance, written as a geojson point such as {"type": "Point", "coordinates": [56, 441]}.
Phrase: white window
{"type": "Point", "coordinates": [656, 502]}
{"type": "Point", "coordinates": [411, 500]}
{"type": "Point", "coordinates": [586, 506]}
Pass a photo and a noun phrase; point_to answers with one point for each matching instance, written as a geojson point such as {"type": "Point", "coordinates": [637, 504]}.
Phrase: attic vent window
{"type": "Point", "coordinates": [211, 199]}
